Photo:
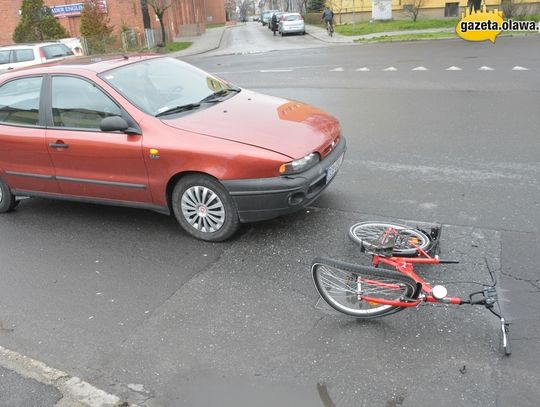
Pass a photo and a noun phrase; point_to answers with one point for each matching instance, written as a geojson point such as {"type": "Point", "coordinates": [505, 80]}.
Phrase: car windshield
{"type": "Point", "coordinates": [161, 85]}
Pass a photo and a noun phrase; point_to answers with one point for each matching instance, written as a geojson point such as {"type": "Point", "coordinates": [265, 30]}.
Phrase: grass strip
{"type": "Point", "coordinates": [365, 27]}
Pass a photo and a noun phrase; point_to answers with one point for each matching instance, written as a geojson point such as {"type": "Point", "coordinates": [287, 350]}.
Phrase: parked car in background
{"type": "Point", "coordinates": [278, 16]}
{"type": "Point", "coordinates": [266, 15]}
{"type": "Point", "coordinates": [291, 23]}
{"type": "Point", "coordinates": [157, 133]}
{"type": "Point", "coordinates": [20, 55]}
{"type": "Point", "coordinates": [74, 44]}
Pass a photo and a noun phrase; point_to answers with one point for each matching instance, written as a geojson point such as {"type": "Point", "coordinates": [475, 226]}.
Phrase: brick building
{"type": "Point", "coordinates": [184, 17]}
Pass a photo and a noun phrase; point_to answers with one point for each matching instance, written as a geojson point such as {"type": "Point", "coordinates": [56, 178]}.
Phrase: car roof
{"type": "Point", "coordinates": [27, 45]}
{"type": "Point", "coordinates": [96, 64]}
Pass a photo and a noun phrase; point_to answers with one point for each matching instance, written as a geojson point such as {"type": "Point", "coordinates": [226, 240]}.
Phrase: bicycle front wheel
{"type": "Point", "coordinates": [343, 286]}
{"type": "Point", "coordinates": [367, 234]}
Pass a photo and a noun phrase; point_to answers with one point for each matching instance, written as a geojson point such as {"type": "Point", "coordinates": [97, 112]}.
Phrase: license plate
{"type": "Point", "coordinates": [333, 169]}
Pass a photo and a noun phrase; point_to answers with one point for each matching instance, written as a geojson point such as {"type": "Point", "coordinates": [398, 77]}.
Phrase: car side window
{"type": "Point", "coordinates": [23, 55]}
{"type": "Point", "coordinates": [4, 57]}
{"type": "Point", "coordinates": [19, 101]}
{"type": "Point", "coordinates": [77, 103]}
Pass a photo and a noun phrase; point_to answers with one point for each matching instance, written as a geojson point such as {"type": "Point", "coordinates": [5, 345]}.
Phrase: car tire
{"type": "Point", "coordinates": [7, 199]}
{"type": "Point", "coordinates": [204, 208]}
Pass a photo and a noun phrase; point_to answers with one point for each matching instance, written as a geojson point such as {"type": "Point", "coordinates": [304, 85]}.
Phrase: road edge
{"type": "Point", "coordinates": [75, 391]}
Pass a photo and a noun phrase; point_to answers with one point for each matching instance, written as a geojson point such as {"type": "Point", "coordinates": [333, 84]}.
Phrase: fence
{"type": "Point", "coordinates": [128, 40]}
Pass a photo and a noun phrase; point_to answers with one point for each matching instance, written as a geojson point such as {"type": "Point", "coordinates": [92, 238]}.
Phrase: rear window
{"type": "Point", "coordinates": [56, 51]}
{"type": "Point", "coordinates": [291, 18]}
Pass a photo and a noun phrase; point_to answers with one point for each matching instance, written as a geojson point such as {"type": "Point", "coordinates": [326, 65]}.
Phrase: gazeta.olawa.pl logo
{"type": "Point", "coordinates": [483, 25]}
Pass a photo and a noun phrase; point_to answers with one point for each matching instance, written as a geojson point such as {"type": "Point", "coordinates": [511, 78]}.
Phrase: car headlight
{"type": "Point", "coordinates": [299, 165]}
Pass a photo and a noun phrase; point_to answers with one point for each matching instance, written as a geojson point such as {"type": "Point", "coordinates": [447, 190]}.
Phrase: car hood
{"type": "Point", "coordinates": [287, 127]}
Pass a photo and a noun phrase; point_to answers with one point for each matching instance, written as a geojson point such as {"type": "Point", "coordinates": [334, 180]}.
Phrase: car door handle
{"type": "Point", "coordinates": [58, 144]}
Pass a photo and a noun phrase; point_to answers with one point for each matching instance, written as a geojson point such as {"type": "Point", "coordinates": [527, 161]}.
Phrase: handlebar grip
{"type": "Point", "coordinates": [448, 261]}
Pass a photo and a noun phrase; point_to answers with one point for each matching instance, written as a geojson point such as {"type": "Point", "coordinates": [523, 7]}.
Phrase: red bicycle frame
{"type": "Point", "coordinates": [405, 265]}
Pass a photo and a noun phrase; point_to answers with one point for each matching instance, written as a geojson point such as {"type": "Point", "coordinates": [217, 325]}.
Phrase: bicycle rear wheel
{"type": "Point", "coordinates": [342, 286]}
{"type": "Point", "coordinates": [367, 234]}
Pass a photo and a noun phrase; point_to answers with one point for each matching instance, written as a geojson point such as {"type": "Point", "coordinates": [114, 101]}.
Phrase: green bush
{"type": "Point", "coordinates": [315, 5]}
{"type": "Point", "coordinates": [313, 18]}
{"type": "Point", "coordinates": [37, 24]}
{"type": "Point", "coordinates": [95, 28]}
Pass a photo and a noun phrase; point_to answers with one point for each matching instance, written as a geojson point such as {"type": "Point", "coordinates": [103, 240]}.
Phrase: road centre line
{"type": "Point", "coordinates": [286, 67]}
{"type": "Point", "coordinates": [362, 69]}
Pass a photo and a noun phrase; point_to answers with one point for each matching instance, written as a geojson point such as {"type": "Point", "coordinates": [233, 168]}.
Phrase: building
{"type": "Point", "coordinates": [183, 17]}
{"type": "Point", "coordinates": [347, 10]}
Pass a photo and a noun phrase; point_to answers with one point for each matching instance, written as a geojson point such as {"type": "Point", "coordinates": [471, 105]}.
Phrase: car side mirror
{"type": "Point", "coordinates": [116, 123]}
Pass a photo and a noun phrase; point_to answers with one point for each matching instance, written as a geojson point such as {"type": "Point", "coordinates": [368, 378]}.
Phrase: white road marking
{"type": "Point", "coordinates": [390, 69]}
{"type": "Point", "coordinates": [275, 70]}
{"type": "Point", "coordinates": [363, 69]}
{"type": "Point", "coordinates": [340, 69]}
{"type": "Point", "coordinates": [519, 68]}
{"type": "Point", "coordinates": [454, 68]}
{"type": "Point", "coordinates": [420, 68]}
{"type": "Point", "coordinates": [486, 68]}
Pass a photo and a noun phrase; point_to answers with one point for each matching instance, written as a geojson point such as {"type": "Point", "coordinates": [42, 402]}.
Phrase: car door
{"type": "Point", "coordinates": [90, 163]}
{"type": "Point", "coordinates": [25, 163]}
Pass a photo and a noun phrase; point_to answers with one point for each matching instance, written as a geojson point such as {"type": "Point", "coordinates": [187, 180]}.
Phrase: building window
{"type": "Point", "coordinates": [451, 9]}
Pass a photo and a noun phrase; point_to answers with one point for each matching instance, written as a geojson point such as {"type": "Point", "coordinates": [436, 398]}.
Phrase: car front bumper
{"type": "Point", "coordinates": [267, 198]}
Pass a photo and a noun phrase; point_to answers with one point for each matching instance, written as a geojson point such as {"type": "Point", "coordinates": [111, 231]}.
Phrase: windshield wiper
{"type": "Point", "coordinates": [216, 96]}
{"type": "Point", "coordinates": [179, 109]}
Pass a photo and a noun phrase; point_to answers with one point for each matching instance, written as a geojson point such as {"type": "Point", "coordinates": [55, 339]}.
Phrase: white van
{"type": "Point", "coordinates": [20, 55]}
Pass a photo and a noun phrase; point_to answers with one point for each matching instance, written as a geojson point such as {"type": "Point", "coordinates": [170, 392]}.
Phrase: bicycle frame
{"type": "Point", "coordinates": [405, 265]}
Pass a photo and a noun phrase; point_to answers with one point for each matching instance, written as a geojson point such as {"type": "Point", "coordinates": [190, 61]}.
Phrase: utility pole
{"type": "Point", "coordinates": [353, 15]}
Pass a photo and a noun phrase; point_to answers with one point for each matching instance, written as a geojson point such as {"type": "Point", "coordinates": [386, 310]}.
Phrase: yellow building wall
{"type": "Point", "coordinates": [348, 6]}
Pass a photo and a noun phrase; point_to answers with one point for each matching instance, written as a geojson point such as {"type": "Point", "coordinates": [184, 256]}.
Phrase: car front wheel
{"type": "Point", "coordinates": [204, 208]}
{"type": "Point", "coordinates": [7, 199]}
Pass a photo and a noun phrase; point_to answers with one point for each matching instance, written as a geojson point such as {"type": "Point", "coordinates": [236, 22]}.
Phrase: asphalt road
{"type": "Point", "coordinates": [124, 299]}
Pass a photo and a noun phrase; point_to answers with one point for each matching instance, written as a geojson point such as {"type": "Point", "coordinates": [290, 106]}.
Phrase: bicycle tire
{"type": "Point", "coordinates": [341, 285]}
{"type": "Point", "coordinates": [364, 233]}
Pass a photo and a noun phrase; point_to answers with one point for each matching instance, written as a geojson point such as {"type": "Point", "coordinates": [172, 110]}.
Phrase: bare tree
{"type": "Point", "coordinates": [413, 7]}
{"type": "Point", "coordinates": [159, 7]}
{"type": "Point", "coordinates": [245, 7]}
{"type": "Point", "coordinates": [230, 9]}
{"type": "Point", "coordinates": [302, 6]}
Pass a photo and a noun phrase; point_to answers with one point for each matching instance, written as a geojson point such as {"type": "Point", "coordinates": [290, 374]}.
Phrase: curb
{"type": "Point", "coordinates": [187, 54]}
{"type": "Point", "coordinates": [75, 392]}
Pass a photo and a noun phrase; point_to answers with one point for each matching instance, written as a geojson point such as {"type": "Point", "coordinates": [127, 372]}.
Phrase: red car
{"type": "Point", "coordinates": [157, 133]}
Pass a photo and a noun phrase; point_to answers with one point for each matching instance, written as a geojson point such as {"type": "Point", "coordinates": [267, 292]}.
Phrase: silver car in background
{"type": "Point", "coordinates": [292, 23]}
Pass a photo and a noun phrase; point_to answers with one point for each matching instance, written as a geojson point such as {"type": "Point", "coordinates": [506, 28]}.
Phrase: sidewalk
{"type": "Point", "coordinates": [211, 38]}
{"type": "Point", "coordinates": [208, 41]}
{"type": "Point", "coordinates": [321, 34]}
